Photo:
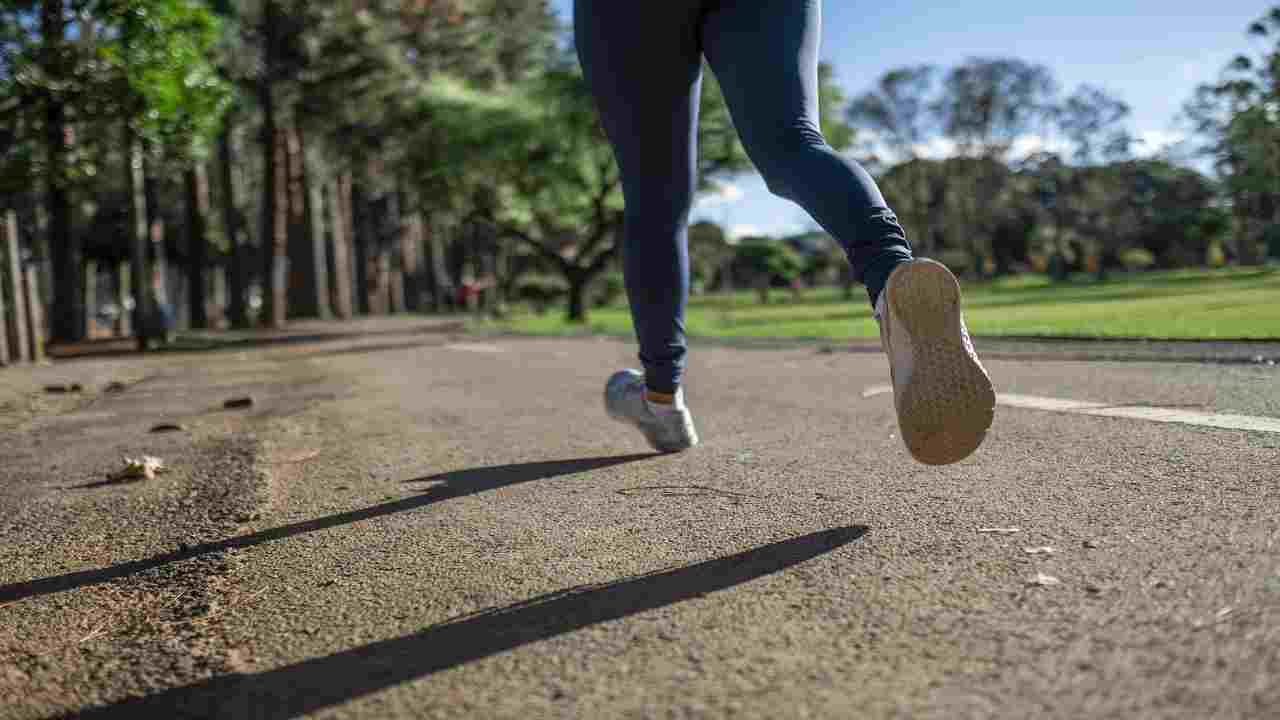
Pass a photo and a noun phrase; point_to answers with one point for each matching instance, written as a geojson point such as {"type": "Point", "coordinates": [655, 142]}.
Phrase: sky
{"type": "Point", "coordinates": [1149, 53]}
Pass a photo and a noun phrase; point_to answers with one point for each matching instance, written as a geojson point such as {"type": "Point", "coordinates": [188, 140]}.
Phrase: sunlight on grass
{"type": "Point", "coordinates": [1234, 303]}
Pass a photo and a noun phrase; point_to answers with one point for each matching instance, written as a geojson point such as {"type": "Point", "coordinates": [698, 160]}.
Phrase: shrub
{"type": "Point", "coordinates": [541, 291]}
{"type": "Point", "coordinates": [609, 288]}
{"type": "Point", "coordinates": [1137, 259]}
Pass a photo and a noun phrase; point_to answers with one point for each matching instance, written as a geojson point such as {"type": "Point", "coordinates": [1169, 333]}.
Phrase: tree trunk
{"type": "Point", "coordinates": [275, 202]}
{"type": "Point", "coordinates": [137, 224]}
{"type": "Point", "coordinates": [124, 321]}
{"type": "Point", "coordinates": [320, 248]}
{"type": "Point", "coordinates": [411, 250]}
{"type": "Point", "coordinates": [237, 309]}
{"type": "Point", "coordinates": [362, 254]}
{"type": "Point", "coordinates": [390, 262]}
{"type": "Point", "coordinates": [197, 187]}
{"type": "Point", "coordinates": [275, 231]}
{"type": "Point", "coordinates": [436, 265]}
{"type": "Point", "coordinates": [156, 249]}
{"type": "Point", "coordinates": [90, 298]}
{"type": "Point", "coordinates": [307, 287]}
{"type": "Point", "coordinates": [35, 314]}
{"type": "Point", "coordinates": [19, 343]}
{"type": "Point", "coordinates": [578, 297]}
{"type": "Point", "coordinates": [64, 247]}
{"type": "Point", "coordinates": [339, 193]}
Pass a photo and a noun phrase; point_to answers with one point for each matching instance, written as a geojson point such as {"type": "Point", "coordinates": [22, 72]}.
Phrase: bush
{"type": "Point", "coordinates": [959, 261]}
{"type": "Point", "coordinates": [1137, 259]}
{"type": "Point", "coordinates": [1215, 256]}
{"type": "Point", "coordinates": [609, 288]}
{"type": "Point", "coordinates": [766, 262]}
{"type": "Point", "coordinates": [541, 291]}
{"type": "Point", "coordinates": [1272, 239]}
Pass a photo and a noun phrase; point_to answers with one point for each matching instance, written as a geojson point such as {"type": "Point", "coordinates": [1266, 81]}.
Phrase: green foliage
{"type": "Point", "coordinates": [609, 289]}
{"type": "Point", "coordinates": [709, 249]}
{"type": "Point", "coordinates": [1239, 117]}
{"type": "Point", "coordinates": [541, 291]}
{"type": "Point", "coordinates": [1137, 259]}
{"type": "Point", "coordinates": [766, 261]}
{"type": "Point", "coordinates": [163, 51]}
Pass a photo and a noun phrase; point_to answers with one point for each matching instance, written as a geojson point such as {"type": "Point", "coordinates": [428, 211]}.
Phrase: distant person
{"type": "Point", "coordinates": [643, 61]}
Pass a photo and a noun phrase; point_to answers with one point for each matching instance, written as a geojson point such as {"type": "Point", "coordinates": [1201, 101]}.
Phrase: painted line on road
{"type": "Point", "coordinates": [474, 347]}
{"type": "Point", "coordinates": [1223, 421]}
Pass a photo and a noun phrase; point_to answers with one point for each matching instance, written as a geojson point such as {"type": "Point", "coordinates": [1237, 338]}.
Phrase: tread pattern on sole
{"type": "Point", "coordinates": [948, 403]}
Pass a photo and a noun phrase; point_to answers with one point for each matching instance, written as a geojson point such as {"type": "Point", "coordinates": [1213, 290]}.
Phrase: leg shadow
{"type": "Point", "coordinates": [312, 685]}
{"type": "Point", "coordinates": [451, 485]}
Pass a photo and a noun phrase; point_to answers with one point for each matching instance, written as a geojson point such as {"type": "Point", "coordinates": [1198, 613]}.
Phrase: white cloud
{"type": "Point", "coordinates": [737, 232]}
{"type": "Point", "coordinates": [723, 194]}
{"type": "Point", "coordinates": [1154, 142]}
{"type": "Point", "coordinates": [1028, 145]}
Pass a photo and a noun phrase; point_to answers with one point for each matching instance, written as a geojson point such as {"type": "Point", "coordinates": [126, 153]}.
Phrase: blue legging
{"type": "Point", "coordinates": [643, 61]}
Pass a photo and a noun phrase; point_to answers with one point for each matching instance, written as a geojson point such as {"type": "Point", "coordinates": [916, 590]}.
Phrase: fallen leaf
{"type": "Point", "coordinates": [240, 402]}
{"type": "Point", "coordinates": [166, 427]}
{"type": "Point", "coordinates": [143, 468]}
{"type": "Point", "coordinates": [1042, 580]}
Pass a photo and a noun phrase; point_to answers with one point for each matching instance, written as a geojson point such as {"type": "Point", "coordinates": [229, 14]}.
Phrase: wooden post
{"type": "Point", "coordinates": [35, 314]}
{"type": "Point", "coordinates": [124, 322]}
{"type": "Point", "coordinates": [90, 299]}
{"type": "Point", "coordinates": [218, 302]}
{"type": "Point", "coordinates": [4, 326]}
{"type": "Point", "coordinates": [18, 339]}
{"type": "Point", "coordinates": [397, 291]}
{"type": "Point", "coordinates": [339, 196]}
{"type": "Point", "coordinates": [320, 249]}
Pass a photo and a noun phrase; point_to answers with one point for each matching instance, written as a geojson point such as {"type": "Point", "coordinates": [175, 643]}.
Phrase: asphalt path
{"type": "Point", "coordinates": [450, 526]}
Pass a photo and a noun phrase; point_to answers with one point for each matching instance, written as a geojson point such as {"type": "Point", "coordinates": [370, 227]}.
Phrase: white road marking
{"type": "Point", "coordinates": [875, 390]}
{"type": "Point", "coordinates": [1224, 421]}
{"type": "Point", "coordinates": [474, 347]}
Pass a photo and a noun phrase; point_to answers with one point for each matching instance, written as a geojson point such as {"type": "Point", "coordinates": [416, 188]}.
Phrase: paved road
{"type": "Point", "coordinates": [442, 526]}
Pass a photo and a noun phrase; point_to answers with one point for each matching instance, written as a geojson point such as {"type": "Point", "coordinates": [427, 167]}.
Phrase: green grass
{"type": "Point", "coordinates": [1228, 303]}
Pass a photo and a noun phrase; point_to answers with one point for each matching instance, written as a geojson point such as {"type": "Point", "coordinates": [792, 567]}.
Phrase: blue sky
{"type": "Point", "coordinates": [1149, 53]}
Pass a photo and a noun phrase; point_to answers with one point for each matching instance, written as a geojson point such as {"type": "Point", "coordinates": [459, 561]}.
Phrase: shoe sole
{"type": "Point", "coordinates": [948, 404]}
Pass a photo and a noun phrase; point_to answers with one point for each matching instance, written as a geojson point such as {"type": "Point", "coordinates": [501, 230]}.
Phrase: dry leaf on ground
{"type": "Point", "coordinates": [143, 468]}
{"type": "Point", "coordinates": [1042, 580]}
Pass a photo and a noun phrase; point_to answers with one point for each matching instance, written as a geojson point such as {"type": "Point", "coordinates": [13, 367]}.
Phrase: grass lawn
{"type": "Point", "coordinates": [1228, 303]}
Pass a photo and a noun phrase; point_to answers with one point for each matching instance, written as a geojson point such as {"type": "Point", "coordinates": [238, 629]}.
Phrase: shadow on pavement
{"type": "Point", "coordinates": [313, 685]}
{"type": "Point", "coordinates": [451, 485]}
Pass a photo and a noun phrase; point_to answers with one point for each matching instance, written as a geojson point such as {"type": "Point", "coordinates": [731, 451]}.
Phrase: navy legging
{"type": "Point", "coordinates": [643, 61]}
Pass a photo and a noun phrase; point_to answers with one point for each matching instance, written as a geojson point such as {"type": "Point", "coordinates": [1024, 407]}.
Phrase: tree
{"type": "Point", "coordinates": [1239, 118]}
{"type": "Point", "coordinates": [1090, 118]}
{"type": "Point", "coordinates": [709, 255]}
{"type": "Point", "coordinates": [766, 261]}
{"type": "Point", "coordinates": [985, 106]}
{"type": "Point", "coordinates": [898, 114]}
{"type": "Point", "coordinates": [170, 95]}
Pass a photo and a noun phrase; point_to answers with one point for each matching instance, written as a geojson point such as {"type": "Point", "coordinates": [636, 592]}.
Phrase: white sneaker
{"type": "Point", "coordinates": [668, 431]}
{"type": "Point", "coordinates": [943, 395]}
